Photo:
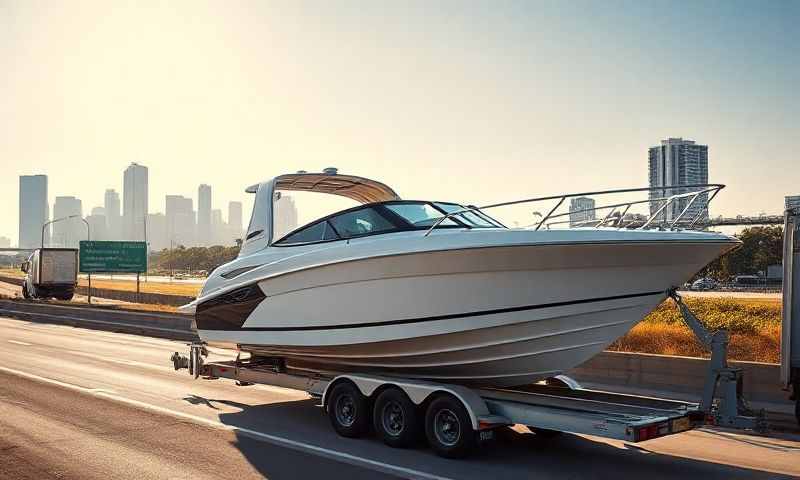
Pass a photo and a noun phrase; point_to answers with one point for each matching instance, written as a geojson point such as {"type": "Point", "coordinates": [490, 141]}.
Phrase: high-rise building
{"type": "Point", "coordinates": [235, 220]}
{"type": "Point", "coordinates": [34, 210]}
{"type": "Point", "coordinates": [67, 233]}
{"type": "Point", "coordinates": [792, 201]}
{"type": "Point", "coordinates": [674, 163]}
{"type": "Point", "coordinates": [180, 220]}
{"type": "Point", "coordinates": [157, 232]}
{"type": "Point", "coordinates": [219, 229]}
{"type": "Point", "coordinates": [204, 231]}
{"type": "Point", "coordinates": [113, 219]}
{"type": "Point", "coordinates": [97, 224]}
{"type": "Point", "coordinates": [134, 202]}
{"type": "Point", "coordinates": [581, 211]}
{"type": "Point", "coordinates": [285, 213]}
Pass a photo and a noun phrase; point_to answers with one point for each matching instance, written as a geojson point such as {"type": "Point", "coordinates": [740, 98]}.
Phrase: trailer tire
{"type": "Point", "coordinates": [348, 410]}
{"type": "Point", "coordinates": [448, 428]}
{"type": "Point", "coordinates": [395, 419]}
{"type": "Point", "coordinates": [66, 297]}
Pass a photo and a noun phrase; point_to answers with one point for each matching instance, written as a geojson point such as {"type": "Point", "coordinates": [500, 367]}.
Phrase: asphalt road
{"type": "Point", "coordinates": [78, 403]}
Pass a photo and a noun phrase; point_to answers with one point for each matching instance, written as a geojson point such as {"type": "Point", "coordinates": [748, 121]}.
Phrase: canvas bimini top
{"type": "Point", "coordinates": [360, 189]}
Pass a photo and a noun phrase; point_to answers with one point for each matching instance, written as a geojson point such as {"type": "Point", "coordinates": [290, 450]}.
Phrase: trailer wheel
{"type": "Point", "coordinates": [395, 418]}
{"type": "Point", "coordinates": [66, 297]}
{"type": "Point", "coordinates": [348, 410]}
{"type": "Point", "coordinates": [449, 428]}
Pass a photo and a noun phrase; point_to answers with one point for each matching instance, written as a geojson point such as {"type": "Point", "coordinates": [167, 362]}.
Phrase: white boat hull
{"type": "Point", "coordinates": [494, 315]}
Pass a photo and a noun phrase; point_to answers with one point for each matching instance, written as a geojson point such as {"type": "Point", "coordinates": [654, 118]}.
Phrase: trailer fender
{"type": "Point", "coordinates": [418, 392]}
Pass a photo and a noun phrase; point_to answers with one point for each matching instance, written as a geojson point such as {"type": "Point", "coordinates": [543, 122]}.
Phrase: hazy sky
{"type": "Point", "coordinates": [464, 101]}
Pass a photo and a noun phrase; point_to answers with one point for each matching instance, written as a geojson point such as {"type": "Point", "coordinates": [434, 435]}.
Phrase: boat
{"type": "Point", "coordinates": [442, 291]}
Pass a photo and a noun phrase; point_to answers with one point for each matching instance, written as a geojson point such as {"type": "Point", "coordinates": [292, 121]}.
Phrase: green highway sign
{"type": "Point", "coordinates": [113, 257]}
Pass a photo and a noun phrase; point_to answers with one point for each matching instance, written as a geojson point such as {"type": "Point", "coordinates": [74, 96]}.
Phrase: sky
{"type": "Point", "coordinates": [475, 102]}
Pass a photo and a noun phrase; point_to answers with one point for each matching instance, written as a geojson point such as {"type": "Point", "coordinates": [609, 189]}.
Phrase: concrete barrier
{"type": "Point", "coordinates": [683, 375]}
{"type": "Point", "coordinates": [163, 325]}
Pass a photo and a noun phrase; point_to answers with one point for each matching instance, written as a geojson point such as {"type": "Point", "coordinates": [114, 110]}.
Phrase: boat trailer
{"type": "Point", "coordinates": [556, 405]}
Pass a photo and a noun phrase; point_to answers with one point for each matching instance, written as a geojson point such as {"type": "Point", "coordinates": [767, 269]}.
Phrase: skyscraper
{"type": "Point", "coordinates": [67, 233]}
{"type": "Point", "coordinates": [113, 220]}
{"type": "Point", "coordinates": [134, 202]}
{"type": "Point", "coordinates": [581, 211]}
{"type": "Point", "coordinates": [235, 218]}
{"type": "Point", "coordinates": [673, 163]}
{"type": "Point", "coordinates": [180, 220]}
{"type": "Point", "coordinates": [792, 201]}
{"type": "Point", "coordinates": [204, 235]}
{"type": "Point", "coordinates": [157, 232]}
{"type": "Point", "coordinates": [285, 216]}
{"type": "Point", "coordinates": [98, 224]}
{"type": "Point", "coordinates": [33, 210]}
{"type": "Point", "coordinates": [218, 228]}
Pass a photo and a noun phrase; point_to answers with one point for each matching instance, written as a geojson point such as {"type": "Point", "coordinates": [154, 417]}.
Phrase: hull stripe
{"type": "Point", "coordinates": [449, 316]}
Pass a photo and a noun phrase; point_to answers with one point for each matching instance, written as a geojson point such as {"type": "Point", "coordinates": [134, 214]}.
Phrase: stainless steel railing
{"type": "Point", "coordinates": [698, 191]}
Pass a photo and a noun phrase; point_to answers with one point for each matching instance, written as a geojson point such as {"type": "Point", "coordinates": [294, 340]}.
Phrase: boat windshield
{"type": "Point", "coordinates": [386, 217]}
{"type": "Point", "coordinates": [474, 219]}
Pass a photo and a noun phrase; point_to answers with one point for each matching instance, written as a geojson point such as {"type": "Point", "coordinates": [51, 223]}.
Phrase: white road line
{"type": "Point", "coordinates": [17, 342]}
{"type": "Point", "coordinates": [273, 439]}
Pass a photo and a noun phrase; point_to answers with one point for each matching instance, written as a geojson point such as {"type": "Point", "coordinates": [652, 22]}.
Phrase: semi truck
{"type": "Point", "coordinates": [51, 273]}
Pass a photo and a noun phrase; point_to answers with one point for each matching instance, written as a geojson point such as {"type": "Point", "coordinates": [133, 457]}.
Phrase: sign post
{"type": "Point", "coordinates": [113, 257]}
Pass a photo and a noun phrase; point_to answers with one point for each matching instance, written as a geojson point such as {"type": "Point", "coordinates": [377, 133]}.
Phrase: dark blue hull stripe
{"type": "Point", "coordinates": [450, 316]}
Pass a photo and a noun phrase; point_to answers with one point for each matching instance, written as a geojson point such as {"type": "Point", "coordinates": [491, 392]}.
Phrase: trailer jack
{"type": "Point", "coordinates": [723, 383]}
{"type": "Point", "coordinates": [194, 362]}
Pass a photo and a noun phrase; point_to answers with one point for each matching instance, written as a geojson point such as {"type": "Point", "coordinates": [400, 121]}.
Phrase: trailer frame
{"type": "Point", "coordinates": [556, 405]}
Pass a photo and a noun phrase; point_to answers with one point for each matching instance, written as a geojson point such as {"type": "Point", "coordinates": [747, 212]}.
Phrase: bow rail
{"type": "Point", "coordinates": [710, 190]}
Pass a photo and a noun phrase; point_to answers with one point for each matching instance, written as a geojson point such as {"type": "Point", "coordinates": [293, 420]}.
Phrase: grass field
{"type": "Point", "coordinates": [188, 289]}
{"type": "Point", "coordinates": [12, 272]}
{"type": "Point", "coordinates": [754, 324]}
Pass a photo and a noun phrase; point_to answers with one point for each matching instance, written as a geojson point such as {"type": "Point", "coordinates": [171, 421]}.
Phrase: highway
{"type": "Point", "coordinates": [77, 403]}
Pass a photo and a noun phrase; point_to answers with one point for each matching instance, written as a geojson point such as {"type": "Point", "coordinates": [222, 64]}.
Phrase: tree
{"type": "Point", "coordinates": [761, 247]}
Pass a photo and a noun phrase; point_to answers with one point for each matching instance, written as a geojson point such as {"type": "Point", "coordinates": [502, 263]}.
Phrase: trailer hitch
{"type": "Point", "coordinates": [730, 409]}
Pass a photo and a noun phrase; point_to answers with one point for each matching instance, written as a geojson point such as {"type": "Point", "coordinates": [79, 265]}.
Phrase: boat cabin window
{"type": "Point", "coordinates": [361, 222]}
{"type": "Point", "coordinates": [420, 214]}
{"type": "Point", "coordinates": [387, 217]}
{"type": "Point", "coordinates": [317, 232]}
{"type": "Point", "coordinates": [474, 219]}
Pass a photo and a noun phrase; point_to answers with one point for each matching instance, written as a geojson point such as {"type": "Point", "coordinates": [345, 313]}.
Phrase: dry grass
{"type": "Point", "coordinates": [755, 327]}
{"type": "Point", "coordinates": [188, 289]}
{"type": "Point", "coordinates": [12, 272]}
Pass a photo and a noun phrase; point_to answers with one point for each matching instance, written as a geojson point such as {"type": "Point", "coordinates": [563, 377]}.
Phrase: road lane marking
{"type": "Point", "coordinates": [273, 439]}
{"type": "Point", "coordinates": [17, 342]}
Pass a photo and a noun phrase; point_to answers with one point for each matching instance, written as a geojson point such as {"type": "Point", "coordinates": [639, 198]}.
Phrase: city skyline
{"type": "Point", "coordinates": [178, 224]}
{"type": "Point", "coordinates": [540, 97]}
